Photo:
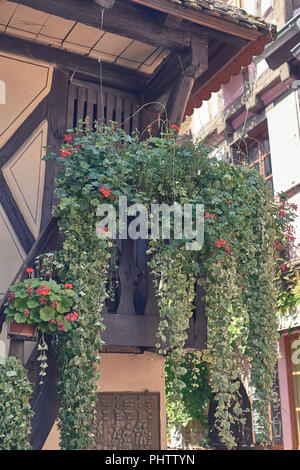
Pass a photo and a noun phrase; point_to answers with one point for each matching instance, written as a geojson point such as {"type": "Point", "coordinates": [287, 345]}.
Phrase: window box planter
{"type": "Point", "coordinates": [22, 331]}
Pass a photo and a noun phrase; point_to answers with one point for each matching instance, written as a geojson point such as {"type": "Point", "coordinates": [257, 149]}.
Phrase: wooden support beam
{"type": "Point", "coordinates": [113, 75]}
{"type": "Point", "coordinates": [181, 90]}
{"type": "Point", "coordinates": [125, 18]}
{"type": "Point", "coordinates": [216, 64]}
{"type": "Point", "coordinates": [16, 349]}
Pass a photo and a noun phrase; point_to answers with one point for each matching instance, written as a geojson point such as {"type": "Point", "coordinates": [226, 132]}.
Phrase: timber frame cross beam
{"type": "Point", "coordinates": [207, 43]}
{"type": "Point", "coordinates": [141, 21]}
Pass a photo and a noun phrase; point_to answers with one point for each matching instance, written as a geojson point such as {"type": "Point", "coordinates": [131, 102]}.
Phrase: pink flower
{"type": "Point", "coordinates": [11, 296]}
{"type": "Point", "coordinates": [43, 301]}
{"type": "Point", "coordinates": [26, 312]}
{"type": "Point", "coordinates": [60, 326]}
{"type": "Point", "coordinates": [29, 290]}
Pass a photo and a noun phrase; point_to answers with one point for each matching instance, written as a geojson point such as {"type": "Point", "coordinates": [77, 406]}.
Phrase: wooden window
{"type": "Point", "coordinates": [255, 152]}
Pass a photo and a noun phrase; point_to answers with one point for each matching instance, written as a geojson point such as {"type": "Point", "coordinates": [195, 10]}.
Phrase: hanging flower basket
{"type": "Point", "coordinates": [38, 305]}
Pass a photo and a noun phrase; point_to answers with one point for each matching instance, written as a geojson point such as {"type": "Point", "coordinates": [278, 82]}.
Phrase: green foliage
{"type": "Point", "coordinates": [15, 411]}
{"type": "Point", "coordinates": [45, 304]}
{"type": "Point", "coordinates": [195, 395]}
{"type": "Point", "coordinates": [235, 269]}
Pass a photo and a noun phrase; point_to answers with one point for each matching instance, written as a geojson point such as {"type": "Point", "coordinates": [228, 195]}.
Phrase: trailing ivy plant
{"type": "Point", "coordinates": [196, 392]}
{"type": "Point", "coordinates": [15, 410]}
{"type": "Point", "coordinates": [235, 267]}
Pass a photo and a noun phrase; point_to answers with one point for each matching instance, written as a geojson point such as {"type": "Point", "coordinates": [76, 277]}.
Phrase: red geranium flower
{"type": "Point", "coordinates": [29, 270]}
{"type": "Point", "coordinates": [43, 290]}
{"type": "Point", "coordinates": [72, 316]}
{"type": "Point", "coordinates": [65, 152]}
{"type": "Point", "coordinates": [106, 192]}
{"type": "Point", "coordinates": [68, 137]}
{"type": "Point", "coordinates": [68, 286]}
{"type": "Point", "coordinates": [175, 127]}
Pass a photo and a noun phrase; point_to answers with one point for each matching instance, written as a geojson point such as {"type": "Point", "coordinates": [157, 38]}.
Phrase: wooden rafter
{"type": "Point", "coordinates": [167, 31]}
{"type": "Point", "coordinates": [125, 19]}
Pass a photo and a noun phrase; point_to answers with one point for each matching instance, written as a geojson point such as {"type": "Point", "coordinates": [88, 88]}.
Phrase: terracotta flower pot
{"type": "Point", "coordinates": [22, 330]}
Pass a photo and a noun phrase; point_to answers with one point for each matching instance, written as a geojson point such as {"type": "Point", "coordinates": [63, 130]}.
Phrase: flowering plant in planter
{"type": "Point", "coordinates": [45, 304]}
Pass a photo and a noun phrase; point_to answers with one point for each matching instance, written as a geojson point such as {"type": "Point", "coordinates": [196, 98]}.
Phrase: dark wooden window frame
{"type": "Point", "coordinates": [243, 148]}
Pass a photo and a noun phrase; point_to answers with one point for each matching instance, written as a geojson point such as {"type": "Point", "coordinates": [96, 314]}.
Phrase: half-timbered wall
{"type": "Point", "coordinates": [32, 116]}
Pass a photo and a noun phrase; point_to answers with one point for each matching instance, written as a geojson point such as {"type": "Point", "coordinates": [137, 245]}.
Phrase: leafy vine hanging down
{"type": "Point", "coordinates": [15, 410]}
{"type": "Point", "coordinates": [235, 266]}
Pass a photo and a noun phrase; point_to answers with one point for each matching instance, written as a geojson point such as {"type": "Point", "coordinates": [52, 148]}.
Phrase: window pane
{"type": "Point", "coordinates": [268, 166]}
{"type": "Point", "coordinates": [252, 153]}
{"type": "Point", "coordinates": [256, 167]}
{"type": "Point", "coordinates": [270, 185]}
{"type": "Point", "coordinates": [266, 144]}
{"type": "Point", "coordinates": [237, 157]}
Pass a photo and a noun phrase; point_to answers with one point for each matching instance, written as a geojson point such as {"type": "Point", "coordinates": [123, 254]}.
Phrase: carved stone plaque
{"type": "Point", "coordinates": [127, 421]}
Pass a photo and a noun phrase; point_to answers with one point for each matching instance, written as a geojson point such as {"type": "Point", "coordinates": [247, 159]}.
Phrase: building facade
{"type": "Point", "coordinates": [255, 120]}
{"type": "Point", "coordinates": [62, 62]}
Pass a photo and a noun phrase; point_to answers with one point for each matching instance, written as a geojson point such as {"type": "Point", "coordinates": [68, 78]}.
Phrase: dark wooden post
{"type": "Point", "coordinates": [181, 91]}
{"type": "Point", "coordinates": [16, 349]}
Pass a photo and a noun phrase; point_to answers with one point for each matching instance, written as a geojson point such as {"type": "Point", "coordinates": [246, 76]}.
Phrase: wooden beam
{"type": "Point", "coordinates": [196, 16]}
{"type": "Point", "coordinates": [57, 124]}
{"type": "Point", "coordinates": [178, 99]}
{"type": "Point", "coordinates": [178, 75]}
{"type": "Point", "coordinates": [181, 91]}
{"type": "Point", "coordinates": [125, 19]}
{"type": "Point", "coordinates": [14, 215]}
{"type": "Point", "coordinates": [113, 75]}
{"type": "Point", "coordinates": [216, 64]}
